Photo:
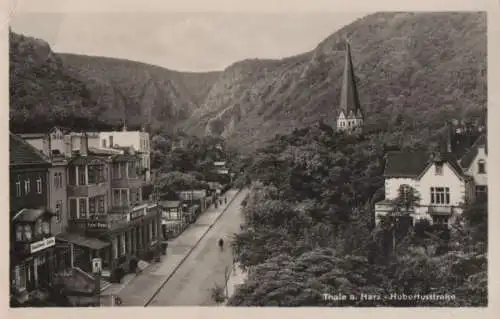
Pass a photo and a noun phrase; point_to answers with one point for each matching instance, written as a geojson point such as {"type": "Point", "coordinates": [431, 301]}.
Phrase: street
{"type": "Point", "coordinates": [189, 281]}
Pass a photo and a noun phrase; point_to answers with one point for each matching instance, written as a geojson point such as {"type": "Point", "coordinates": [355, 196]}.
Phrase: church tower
{"type": "Point", "coordinates": [350, 117]}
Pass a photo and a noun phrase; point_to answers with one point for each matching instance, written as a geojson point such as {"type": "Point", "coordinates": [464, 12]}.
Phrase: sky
{"type": "Point", "coordinates": [177, 39]}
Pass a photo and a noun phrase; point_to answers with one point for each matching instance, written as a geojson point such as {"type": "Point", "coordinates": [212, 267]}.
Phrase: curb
{"type": "Point", "coordinates": [191, 250]}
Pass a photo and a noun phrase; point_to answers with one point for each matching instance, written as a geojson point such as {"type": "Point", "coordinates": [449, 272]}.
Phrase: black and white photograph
{"type": "Point", "coordinates": [247, 159]}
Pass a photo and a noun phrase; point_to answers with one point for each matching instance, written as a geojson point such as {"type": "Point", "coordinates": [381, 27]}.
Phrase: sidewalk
{"type": "Point", "coordinates": [237, 277]}
{"type": "Point", "coordinates": [136, 290]}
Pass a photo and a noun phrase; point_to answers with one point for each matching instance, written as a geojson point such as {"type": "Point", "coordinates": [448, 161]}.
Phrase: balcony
{"type": "Point", "coordinates": [440, 210]}
{"type": "Point", "coordinates": [89, 190]}
{"type": "Point", "coordinates": [127, 183]}
{"type": "Point", "coordinates": [99, 224]}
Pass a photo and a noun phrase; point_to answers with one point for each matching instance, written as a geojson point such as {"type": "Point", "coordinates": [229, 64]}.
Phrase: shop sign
{"type": "Point", "coordinates": [42, 244]}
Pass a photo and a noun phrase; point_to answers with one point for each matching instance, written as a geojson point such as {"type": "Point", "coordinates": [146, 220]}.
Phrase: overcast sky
{"type": "Point", "coordinates": [192, 41]}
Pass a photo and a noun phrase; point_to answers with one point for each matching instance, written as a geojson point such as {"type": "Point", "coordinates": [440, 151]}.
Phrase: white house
{"type": "Point", "coordinates": [444, 181]}
{"type": "Point", "coordinates": [473, 163]}
{"type": "Point", "coordinates": [139, 141]}
{"type": "Point", "coordinates": [437, 178]}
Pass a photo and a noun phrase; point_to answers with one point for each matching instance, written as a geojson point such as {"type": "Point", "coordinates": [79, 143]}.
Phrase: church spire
{"type": "Point", "coordinates": [349, 99]}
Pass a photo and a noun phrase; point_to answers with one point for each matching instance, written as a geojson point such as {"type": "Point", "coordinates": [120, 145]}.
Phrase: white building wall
{"type": "Point", "coordinates": [479, 179]}
{"type": "Point", "coordinates": [448, 179]}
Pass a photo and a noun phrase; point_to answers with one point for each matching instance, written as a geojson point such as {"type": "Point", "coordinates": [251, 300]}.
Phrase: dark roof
{"type": "Point", "coordinates": [405, 164]}
{"type": "Point", "coordinates": [87, 160]}
{"type": "Point", "coordinates": [99, 151]}
{"type": "Point", "coordinates": [32, 135]}
{"type": "Point", "coordinates": [79, 240]}
{"type": "Point", "coordinates": [413, 163]}
{"type": "Point", "coordinates": [469, 157]}
{"type": "Point", "coordinates": [124, 158]}
{"type": "Point", "coordinates": [30, 215]}
{"type": "Point", "coordinates": [170, 203]}
{"type": "Point", "coordinates": [23, 154]}
{"type": "Point", "coordinates": [349, 98]}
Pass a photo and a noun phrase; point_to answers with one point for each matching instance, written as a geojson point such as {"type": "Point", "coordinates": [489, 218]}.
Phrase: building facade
{"type": "Point", "coordinates": [32, 242]}
{"type": "Point", "coordinates": [444, 180]}
{"type": "Point", "coordinates": [139, 141]}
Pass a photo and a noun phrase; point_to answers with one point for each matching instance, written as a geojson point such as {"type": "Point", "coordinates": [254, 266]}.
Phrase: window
{"type": "Point", "coordinates": [481, 167]}
{"type": "Point", "coordinates": [439, 169]}
{"type": "Point", "coordinates": [39, 185]}
{"type": "Point", "coordinates": [123, 170]}
{"type": "Point", "coordinates": [38, 228]}
{"type": "Point", "coordinates": [150, 231]}
{"type": "Point", "coordinates": [20, 278]}
{"type": "Point", "coordinates": [59, 211]}
{"type": "Point", "coordinates": [124, 197]}
{"type": "Point", "coordinates": [73, 208]}
{"type": "Point", "coordinates": [122, 242]}
{"type": "Point", "coordinates": [27, 232]}
{"type": "Point", "coordinates": [92, 206]}
{"type": "Point", "coordinates": [481, 193]}
{"type": "Point", "coordinates": [92, 170]}
{"type": "Point", "coordinates": [100, 204]}
{"type": "Point", "coordinates": [116, 171]}
{"type": "Point", "coordinates": [440, 219]}
{"type": "Point", "coordinates": [115, 248]}
{"type": "Point", "coordinates": [116, 197]}
{"type": "Point", "coordinates": [440, 195]}
{"type": "Point", "coordinates": [132, 170]}
{"type": "Point", "coordinates": [45, 227]}
{"type": "Point", "coordinates": [82, 208]}
{"type": "Point", "coordinates": [104, 143]}
{"type": "Point", "coordinates": [18, 188]}
{"type": "Point", "coordinates": [19, 232]}
{"type": "Point", "coordinates": [27, 186]}
{"type": "Point", "coordinates": [72, 176]}
{"type": "Point", "coordinates": [111, 144]}
{"type": "Point", "coordinates": [82, 176]}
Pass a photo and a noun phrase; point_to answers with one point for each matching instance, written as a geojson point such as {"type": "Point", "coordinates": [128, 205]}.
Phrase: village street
{"type": "Point", "coordinates": [194, 262]}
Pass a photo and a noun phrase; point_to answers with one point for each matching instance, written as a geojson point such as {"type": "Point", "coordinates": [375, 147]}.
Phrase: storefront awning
{"type": "Point", "coordinates": [84, 241]}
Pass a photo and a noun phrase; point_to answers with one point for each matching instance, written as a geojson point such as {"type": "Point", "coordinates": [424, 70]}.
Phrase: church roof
{"type": "Point", "coordinates": [349, 98]}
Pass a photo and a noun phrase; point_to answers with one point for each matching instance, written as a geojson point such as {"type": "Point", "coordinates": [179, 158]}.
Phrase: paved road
{"type": "Point", "coordinates": [191, 284]}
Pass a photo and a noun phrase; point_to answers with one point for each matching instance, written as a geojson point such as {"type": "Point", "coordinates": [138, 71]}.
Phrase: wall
{"type": "Point", "coordinates": [447, 179]}
{"type": "Point", "coordinates": [32, 199]}
{"type": "Point", "coordinates": [58, 193]}
{"type": "Point", "coordinates": [479, 179]}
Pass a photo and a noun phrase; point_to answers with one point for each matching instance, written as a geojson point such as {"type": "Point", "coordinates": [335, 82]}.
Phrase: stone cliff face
{"type": "Point", "coordinates": [410, 68]}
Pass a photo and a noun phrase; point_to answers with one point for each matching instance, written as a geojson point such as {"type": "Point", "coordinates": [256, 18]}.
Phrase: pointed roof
{"type": "Point", "coordinates": [349, 98]}
{"type": "Point", "coordinates": [24, 154]}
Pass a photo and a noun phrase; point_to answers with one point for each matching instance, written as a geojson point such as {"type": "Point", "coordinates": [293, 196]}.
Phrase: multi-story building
{"type": "Point", "coordinates": [139, 141]}
{"type": "Point", "coordinates": [33, 259]}
{"type": "Point", "coordinates": [444, 180]}
{"type": "Point", "coordinates": [106, 208]}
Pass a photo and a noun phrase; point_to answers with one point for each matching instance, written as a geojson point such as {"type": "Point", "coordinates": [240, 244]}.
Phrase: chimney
{"type": "Point", "coordinates": [124, 129]}
{"type": "Point", "coordinates": [449, 137]}
{"type": "Point", "coordinates": [84, 144]}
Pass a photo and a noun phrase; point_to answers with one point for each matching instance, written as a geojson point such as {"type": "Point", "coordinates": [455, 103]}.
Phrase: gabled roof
{"type": "Point", "coordinates": [412, 164]}
{"type": "Point", "coordinates": [30, 215]}
{"type": "Point", "coordinates": [469, 157]}
{"type": "Point", "coordinates": [349, 98]}
{"type": "Point", "coordinates": [23, 154]}
{"type": "Point", "coordinates": [405, 164]}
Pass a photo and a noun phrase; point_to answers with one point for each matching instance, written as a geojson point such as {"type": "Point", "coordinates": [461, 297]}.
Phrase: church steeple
{"type": "Point", "coordinates": [350, 116]}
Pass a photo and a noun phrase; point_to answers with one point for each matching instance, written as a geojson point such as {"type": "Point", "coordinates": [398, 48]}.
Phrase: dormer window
{"type": "Point", "coordinates": [481, 167]}
{"type": "Point", "coordinates": [439, 169]}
